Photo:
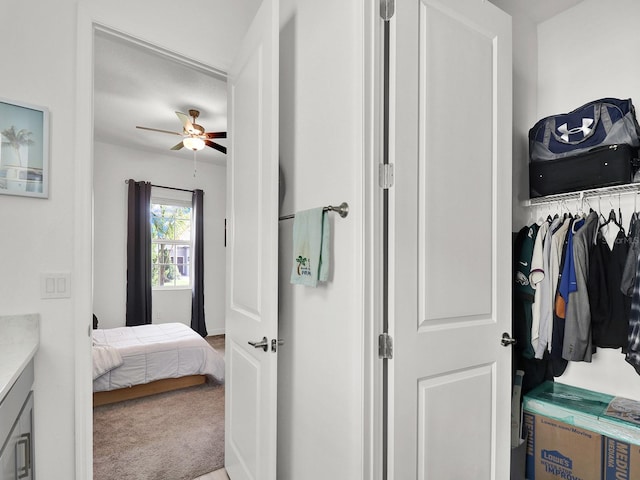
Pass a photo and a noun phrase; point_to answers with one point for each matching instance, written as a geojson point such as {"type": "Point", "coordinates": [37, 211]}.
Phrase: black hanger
{"type": "Point", "coordinates": [620, 216]}
{"type": "Point", "coordinates": [612, 218]}
{"type": "Point", "coordinates": [632, 225]}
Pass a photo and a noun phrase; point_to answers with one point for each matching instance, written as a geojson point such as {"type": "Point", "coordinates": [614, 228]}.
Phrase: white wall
{"type": "Point", "coordinates": [587, 53]}
{"type": "Point", "coordinates": [321, 153]}
{"type": "Point", "coordinates": [114, 164]}
{"type": "Point", "coordinates": [525, 73]}
{"type": "Point", "coordinates": [41, 69]}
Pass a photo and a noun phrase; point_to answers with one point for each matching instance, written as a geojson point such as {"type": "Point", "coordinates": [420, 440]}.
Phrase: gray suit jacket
{"type": "Point", "coordinates": [577, 345]}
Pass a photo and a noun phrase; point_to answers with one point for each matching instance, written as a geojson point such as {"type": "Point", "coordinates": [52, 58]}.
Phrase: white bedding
{"type": "Point", "coordinates": [154, 352]}
{"type": "Point", "coordinates": [105, 359]}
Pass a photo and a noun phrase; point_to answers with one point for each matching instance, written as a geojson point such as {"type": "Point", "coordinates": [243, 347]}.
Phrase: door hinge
{"type": "Point", "coordinates": [385, 175]}
{"type": "Point", "coordinates": [385, 346]}
{"type": "Point", "coordinates": [387, 9]}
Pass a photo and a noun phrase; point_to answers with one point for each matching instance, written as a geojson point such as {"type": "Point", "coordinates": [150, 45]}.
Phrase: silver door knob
{"type": "Point", "coordinates": [263, 344]}
{"type": "Point", "coordinates": [507, 340]}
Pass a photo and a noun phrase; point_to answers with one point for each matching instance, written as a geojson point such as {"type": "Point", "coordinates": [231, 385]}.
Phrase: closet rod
{"type": "Point", "coordinates": [168, 188]}
{"type": "Point", "coordinates": [342, 210]}
{"type": "Point", "coordinates": [594, 192]}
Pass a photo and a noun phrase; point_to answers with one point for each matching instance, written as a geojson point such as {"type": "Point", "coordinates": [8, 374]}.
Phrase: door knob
{"type": "Point", "coordinates": [507, 340]}
{"type": "Point", "coordinates": [263, 344]}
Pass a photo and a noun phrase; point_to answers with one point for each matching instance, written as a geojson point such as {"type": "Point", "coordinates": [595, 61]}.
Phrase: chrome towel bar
{"type": "Point", "coordinates": [342, 210]}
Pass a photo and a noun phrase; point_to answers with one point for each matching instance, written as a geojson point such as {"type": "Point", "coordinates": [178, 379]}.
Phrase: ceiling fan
{"type": "Point", "coordinates": [195, 138]}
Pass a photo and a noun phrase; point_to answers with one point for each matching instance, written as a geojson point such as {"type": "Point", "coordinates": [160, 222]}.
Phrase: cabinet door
{"type": "Point", "coordinates": [24, 441]}
{"type": "Point", "coordinates": [16, 456]}
{"type": "Point", "coordinates": [8, 456]}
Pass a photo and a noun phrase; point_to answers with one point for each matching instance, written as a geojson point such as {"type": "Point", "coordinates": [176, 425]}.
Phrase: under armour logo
{"type": "Point", "coordinates": [585, 129]}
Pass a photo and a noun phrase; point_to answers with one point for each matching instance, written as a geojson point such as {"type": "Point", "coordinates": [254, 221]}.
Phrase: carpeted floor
{"type": "Point", "coordinates": [170, 436]}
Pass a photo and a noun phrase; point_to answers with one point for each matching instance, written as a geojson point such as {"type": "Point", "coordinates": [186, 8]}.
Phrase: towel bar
{"type": "Point", "coordinates": [342, 210]}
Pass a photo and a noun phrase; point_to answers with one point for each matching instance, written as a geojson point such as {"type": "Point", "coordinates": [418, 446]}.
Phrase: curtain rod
{"type": "Point", "coordinates": [168, 188]}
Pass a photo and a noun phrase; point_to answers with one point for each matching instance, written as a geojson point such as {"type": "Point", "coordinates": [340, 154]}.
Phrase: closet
{"type": "Point", "coordinates": [575, 265]}
{"type": "Point", "coordinates": [553, 74]}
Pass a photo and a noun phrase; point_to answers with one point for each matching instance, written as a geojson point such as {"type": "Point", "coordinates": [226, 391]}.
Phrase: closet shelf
{"type": "Point", "coordinates": [594, 192]}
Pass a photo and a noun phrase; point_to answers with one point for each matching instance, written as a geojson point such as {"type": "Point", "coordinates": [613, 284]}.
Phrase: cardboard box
{"type": "Point", "coordinates": [577, 434]}
{"type": "Point", "coordinates": [556, 450]}
{"type": "Point", "coordinates": [621, 460]}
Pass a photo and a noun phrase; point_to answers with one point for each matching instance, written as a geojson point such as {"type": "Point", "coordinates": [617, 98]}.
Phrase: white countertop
{"type": "Point", "coordinates": [19, 341]}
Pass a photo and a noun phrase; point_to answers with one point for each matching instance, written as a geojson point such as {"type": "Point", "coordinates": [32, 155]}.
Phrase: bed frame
{"type": "Point", "coordinates": [146, 389]}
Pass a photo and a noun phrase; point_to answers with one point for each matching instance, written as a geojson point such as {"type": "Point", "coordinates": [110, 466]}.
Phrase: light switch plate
{"type": "Point", "coordinates": [55, 285]}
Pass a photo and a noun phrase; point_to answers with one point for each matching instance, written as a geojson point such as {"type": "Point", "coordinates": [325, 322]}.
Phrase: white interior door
{"type": "Point", "coordinates": [252, 252]}
{"type": "Point", "coordinates": [451, 241]}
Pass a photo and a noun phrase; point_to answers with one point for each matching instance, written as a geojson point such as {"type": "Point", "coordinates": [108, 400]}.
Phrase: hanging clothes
{"type": "Point", "coordinates": [583, 289]}
{"type": "Point", "coordinates": [561, 298]}
{"type": "Point", "coordinates": [633, 348]}
{"type": "Point", "coordinates": [577, 344]}
{"type": "Point", "coordinates": [610, 307]}
{"type": "Point", "coordinates": [557, 264]}
{"type": "Point", "coordinates": [535, 278]}
{"type": "Point", "coordinates": [536, 371]}
{"type": "Point", "coordinates": [547, 286]}
{"type": "Point", "coordinates": [523, 291]}
{"type": "Point", "coordinates": [629, 272]}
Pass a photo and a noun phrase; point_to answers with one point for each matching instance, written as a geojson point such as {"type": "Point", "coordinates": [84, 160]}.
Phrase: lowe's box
{"type": "Point", "coordinates": [576, 434]}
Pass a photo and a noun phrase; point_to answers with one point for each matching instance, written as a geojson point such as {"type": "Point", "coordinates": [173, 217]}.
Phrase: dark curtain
{"type": "Point", "coordinates": [197, 291]}
{"type": "Point", "coordinates": [139, 254]}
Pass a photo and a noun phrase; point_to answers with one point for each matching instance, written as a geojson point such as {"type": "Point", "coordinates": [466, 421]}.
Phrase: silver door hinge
{"type": "Point", "coordinates": [385, 175]}
{"type": "Point", "coordinates": [385, 346]}
{"type": "Point", "coordinates": [387, 9]}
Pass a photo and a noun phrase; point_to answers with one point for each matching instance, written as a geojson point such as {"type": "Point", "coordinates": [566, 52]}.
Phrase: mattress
{"type": "Point", "coordinates": [155, 352]}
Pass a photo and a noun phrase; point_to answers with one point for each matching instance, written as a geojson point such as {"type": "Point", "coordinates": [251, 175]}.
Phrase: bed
{"type": "Point", "coordinates": [131, 362]}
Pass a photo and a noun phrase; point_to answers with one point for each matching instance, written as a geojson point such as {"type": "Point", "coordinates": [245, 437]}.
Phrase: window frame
{"type": "Point", "coordinates": [173, 202]}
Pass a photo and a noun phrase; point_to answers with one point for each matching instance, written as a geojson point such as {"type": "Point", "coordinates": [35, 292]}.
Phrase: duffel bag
{"type": "Point", "coordinates": [608, 121]}
{"type": "Point", "coordinates": [601, 167]}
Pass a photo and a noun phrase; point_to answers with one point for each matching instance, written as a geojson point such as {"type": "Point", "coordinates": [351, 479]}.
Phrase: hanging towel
{"type": "Point", "coordinates": [310, 248]}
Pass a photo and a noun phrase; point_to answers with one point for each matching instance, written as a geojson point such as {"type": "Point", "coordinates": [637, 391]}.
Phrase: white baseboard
{"type": "Point", "coordinates": [217, 331]}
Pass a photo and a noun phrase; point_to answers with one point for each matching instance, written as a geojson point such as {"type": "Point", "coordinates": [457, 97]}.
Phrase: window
{"type": "Point", "coordinates": [170, 244]}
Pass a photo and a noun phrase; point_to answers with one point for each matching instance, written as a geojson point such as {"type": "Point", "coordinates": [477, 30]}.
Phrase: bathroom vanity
{"type": "Point", "coordinates": [19, 341]}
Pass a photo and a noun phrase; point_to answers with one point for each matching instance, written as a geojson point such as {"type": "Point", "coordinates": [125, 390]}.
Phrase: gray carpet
{"type": "Point", "coordinates": [170, 436]}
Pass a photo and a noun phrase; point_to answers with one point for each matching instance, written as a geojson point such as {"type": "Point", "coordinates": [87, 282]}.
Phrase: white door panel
{"type": "Point", "coordinates": [451, 246]}
{"type": "Point", "coordinates": [436, 432]}
{"type": "Point", "coordinates": [252, 252]}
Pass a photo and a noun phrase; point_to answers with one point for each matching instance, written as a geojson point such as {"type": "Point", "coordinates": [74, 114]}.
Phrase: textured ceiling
{"type": "Point", "coordinates": [136, 85]}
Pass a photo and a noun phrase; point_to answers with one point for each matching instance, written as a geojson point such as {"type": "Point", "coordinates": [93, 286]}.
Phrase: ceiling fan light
{"type": "Point", "coordinates": [194, 143]}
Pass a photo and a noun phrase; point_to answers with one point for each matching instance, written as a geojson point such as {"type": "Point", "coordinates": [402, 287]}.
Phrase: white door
{"type": "Point", "coordinates": [449, 415]}
{"type": "Point", "coordinates": [252, 252]}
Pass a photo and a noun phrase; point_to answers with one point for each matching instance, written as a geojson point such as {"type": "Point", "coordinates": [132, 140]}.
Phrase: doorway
{"type": "Point", "coordinates": [136, 84]}
{"type": "Point", "coordinates": [346, 186]}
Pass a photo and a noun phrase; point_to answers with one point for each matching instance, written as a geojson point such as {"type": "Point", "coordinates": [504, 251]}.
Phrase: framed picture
{"type": "Point", "coordinates": [24, 149]}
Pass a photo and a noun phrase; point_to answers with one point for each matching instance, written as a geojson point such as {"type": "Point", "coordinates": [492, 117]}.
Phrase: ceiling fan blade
{"type": "Point", "coordinates": [216, 134]}
{"type": "Point", "coordinates": [177, 146]}
{"type": "Point", "coordinates": [218, 147]}
{"type": "Point", "coordinates": [186, 123]}
{"type": "Point", "coordinates": [158, 130]}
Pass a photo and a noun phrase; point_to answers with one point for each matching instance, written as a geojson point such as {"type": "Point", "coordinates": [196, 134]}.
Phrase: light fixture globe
{"type": "Point", "coordinates": [194, 143]}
